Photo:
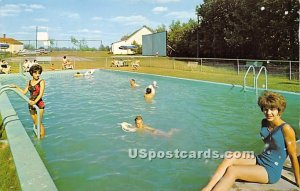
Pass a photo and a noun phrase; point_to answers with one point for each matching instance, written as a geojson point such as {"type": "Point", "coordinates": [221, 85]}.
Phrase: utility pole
{"type": "Point", "coordinates": [198, 20]}
{"type": "Point", "coordinates": [36, 37]}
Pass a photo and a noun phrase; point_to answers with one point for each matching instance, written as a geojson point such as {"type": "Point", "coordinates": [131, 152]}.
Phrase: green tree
{"type": "Point", "coordinates": [83, 45]}
{"type": "Point", "coordinates": [138, 50]}
{"type": "Point", "coordinates": [51, 41]}
{"type": "Point", "coordinates": [182, 38]}
{"type": "Point", "coordinates": [250, 29]}
{"type": "Point", "coordinates": [125, 37]}
{"type": "Point", "coordinates": [75, 42]}
{"type": "Point", "coordinates": [161, 28]}
{"type": "Point", "coordinates": [29, 46]}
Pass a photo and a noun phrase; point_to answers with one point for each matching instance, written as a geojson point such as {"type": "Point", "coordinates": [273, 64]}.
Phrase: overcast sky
{"type": "Point", "coordinates": [106, 20]}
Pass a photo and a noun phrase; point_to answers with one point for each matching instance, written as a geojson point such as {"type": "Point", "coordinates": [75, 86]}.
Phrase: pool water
{"type": "Point", "coordinates": [85, 148]}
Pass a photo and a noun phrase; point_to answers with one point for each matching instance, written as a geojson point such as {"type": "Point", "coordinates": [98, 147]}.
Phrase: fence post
{"type": "Point", "coordinates": [173, 64]}
{"type": "Point", "coordinates": [290, 70]}
{"type": "Point", "coordinates": [238, 66]}
{"type": "Point", "coordinates": [20, 68]}
{"type": "Point", "coordinates": [200, 64]}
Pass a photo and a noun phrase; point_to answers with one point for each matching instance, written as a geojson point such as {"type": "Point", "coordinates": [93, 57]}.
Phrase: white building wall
{"type": "Point", "coordinates": [14, 48]}
{"type": "Point", "coordinates": [137, 37]}
{"type": "Point", "coordinates": [115, 48]}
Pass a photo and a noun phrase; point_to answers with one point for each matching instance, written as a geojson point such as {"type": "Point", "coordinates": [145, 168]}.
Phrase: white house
{"type": "Point", "coordinates": [136, 36]}
{"type": "Point", "coordinates": [14, 45]}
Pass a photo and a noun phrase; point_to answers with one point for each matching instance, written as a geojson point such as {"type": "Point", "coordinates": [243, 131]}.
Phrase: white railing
{"type": "Point", "coordinates": [266, 78]}
{"type": "Point", "coordinates": [36, 128]}
{"type": "Point", "coordinates": [254, 81]}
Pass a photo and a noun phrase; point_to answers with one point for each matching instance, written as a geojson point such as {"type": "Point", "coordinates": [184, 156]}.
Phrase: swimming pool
{"type": "Point", "coordinates": [86, 149]}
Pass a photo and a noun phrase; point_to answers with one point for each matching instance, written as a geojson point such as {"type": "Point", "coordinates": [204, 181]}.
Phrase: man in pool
{"type": "Point", "coordinates": [133, 84]}
{"type": "Point", "coordinates": [139, 124]}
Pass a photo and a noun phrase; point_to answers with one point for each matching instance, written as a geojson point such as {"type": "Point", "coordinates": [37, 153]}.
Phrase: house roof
{"type": "Point", "coordinates": [10, 41]}
{"type": "Point", "coordinates": [141, 29]}
{"type": "Point", "coordinates": [134, 33]}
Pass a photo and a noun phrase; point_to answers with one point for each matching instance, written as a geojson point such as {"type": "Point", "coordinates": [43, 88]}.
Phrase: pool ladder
{"type": "Point", "coordinates": [255, 78]}
{"type": "Point", "coordinates": [37, 128]}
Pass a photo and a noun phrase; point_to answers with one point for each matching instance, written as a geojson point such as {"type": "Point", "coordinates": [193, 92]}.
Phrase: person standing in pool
{"type": "Point", "coordinates": [150, 91]}
{"type": "Point", "coordinates": [36, 87]}
{"type": "Point", "coordinates": [280, 142]}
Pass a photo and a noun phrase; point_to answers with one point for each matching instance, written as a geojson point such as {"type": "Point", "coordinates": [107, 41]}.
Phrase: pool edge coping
{"type": "Point", "coordinates": [31, 171]}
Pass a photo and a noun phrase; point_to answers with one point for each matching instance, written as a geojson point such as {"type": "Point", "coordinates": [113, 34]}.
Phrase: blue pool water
{"type": "Point", "coordinates": [85, 148]}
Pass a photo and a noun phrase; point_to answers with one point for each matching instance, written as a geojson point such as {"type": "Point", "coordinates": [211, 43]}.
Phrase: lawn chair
{"type": "Point", "coordinates": [5, 68]}
{"type": "Point", "coordinates": [135, 64]}
{"type": "Point", "coordinates": [117, 63]}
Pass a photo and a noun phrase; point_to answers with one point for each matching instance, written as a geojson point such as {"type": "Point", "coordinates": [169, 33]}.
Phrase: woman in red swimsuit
{"type": "Point", "coordinates": [36, 87]}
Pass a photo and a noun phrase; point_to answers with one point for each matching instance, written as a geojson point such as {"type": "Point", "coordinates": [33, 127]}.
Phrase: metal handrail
{"type": "Point", "coordinates": [266, 77]}
{"type": "Point", "coordinates": [254, 84]}
{"type": "Point", "coordinates": [7, 87]}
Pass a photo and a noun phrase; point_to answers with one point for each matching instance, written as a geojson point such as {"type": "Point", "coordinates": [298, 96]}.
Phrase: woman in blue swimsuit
{"type": "Point", "coordinates": [280, 141]}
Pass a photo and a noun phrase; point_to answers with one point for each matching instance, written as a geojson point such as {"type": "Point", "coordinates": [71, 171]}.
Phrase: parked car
{"type": "Point", "coordinates": [26, 52]}
{"type": "Point", "coordinates": [42, 51]}
{"type": "Point", "coordinates": [31, 52]}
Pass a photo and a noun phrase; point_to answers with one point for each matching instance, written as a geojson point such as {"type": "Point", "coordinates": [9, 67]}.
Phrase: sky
{"type": "Point", "coordinates": [103, 20]}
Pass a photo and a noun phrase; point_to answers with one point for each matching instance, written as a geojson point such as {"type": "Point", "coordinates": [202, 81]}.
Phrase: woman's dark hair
{"type": "Point", "coordinates": [148, 90]}
{"type": "Point", "coordinates": [35, 68]}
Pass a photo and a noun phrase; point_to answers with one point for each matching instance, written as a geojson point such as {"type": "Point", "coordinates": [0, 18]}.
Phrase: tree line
{"type": "Point", "coordinates": [255, 29]}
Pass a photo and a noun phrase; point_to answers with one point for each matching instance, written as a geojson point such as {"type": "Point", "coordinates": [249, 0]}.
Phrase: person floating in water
{"type": "Point", "coordinates": [280, 142]}
{"type": "Point", "coordinates": [87, 74]}
{"type": "Point", "coordinates": [36, 87]}
{"type": "Point", "coordinates": [140, 126]}
{"type": "Point", "coordinates": [133, 84]}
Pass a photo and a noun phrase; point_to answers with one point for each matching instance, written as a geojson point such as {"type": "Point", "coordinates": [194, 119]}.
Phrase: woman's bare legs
{"type": "Point", "coordinates": [34, 118]}
{"type": "Point", "coordinates": [250, 173]}
{"type": "Point", "coordinates": [234, 158]}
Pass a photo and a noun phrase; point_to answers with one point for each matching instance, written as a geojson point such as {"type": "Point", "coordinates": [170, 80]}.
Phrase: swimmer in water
{"type": "Point", "coordinates": [88, 73]}
{"type": "Point", "coordinates": [140, 126]}
{"type": "Point", "coordinates": [133, 84]}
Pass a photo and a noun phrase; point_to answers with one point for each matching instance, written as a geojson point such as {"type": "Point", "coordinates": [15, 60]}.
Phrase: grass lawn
{"type": "Point", "coordinates": [8, 174]}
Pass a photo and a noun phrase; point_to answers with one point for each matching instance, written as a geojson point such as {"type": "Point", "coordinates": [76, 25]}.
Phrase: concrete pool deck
{"type": "Point", "coordinates": [32, 173]}
{"type": "Point", "coordinates": [286, 183]}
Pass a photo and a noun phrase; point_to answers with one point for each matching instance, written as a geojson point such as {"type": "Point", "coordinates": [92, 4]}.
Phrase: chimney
{"type": "Point", "coordinates": [4, 35]}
